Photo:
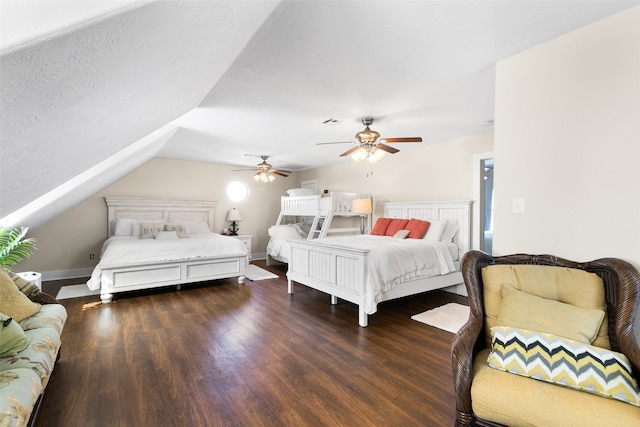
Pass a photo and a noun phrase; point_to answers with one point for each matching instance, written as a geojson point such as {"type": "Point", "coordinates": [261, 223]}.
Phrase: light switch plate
{"type": "Point", "coordinates": [517, 205]}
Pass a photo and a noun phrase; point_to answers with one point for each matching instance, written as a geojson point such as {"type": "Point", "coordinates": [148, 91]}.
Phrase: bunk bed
{"type": "Point", "coordinates": [347, 269]}
{"type": "Point", "coordinates": [306, 216]}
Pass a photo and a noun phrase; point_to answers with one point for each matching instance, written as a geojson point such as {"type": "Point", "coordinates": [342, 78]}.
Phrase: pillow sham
{"type": "Point", "coordinates": [417, 228]}
{"type": "Point", "coordinates": [181, 230]}
{"type": "Point", "coordinates": [380, 227]}
{"type": "Point", "coordinates": [12, 338]}
{"type": "Point", "coordinates": [436, 229]}
{"type": "Point", "coordinates": [569, 363]}
{"type": "Point", "coordinates": [197, 226]}
{"type": "Point", "coordinates": [123, 227]}
{"type": "Point", "coordinates": [522, 310]}
{"type": "Point", "coordinates": [450, 230]}
{"type": "Point", "coordinates": [395, 225]}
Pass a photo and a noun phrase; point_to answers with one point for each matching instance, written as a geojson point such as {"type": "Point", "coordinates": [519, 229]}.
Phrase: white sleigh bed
{"type": "Point", "coordinates": [228, 257]}
{"type": "Point", "coordinates": [343, 272]}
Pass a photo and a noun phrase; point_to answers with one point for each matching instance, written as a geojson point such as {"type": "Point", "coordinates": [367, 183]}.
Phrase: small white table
{"type": "Point", "coordinates": [246, 240]}
{"type": "Point", "coordinates": [32, 276]}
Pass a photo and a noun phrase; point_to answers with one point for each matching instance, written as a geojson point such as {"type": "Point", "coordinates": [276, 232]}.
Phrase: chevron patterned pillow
{"type": "Point", "coordinates": [565, 362]}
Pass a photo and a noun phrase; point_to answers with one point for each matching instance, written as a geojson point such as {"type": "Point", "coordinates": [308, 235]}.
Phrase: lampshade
{"type": "Point", "coordinates": [361, 206]}
{"type": "Point", "coordinates": [234, 215]}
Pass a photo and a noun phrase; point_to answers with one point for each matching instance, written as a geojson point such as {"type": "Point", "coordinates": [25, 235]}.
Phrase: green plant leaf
{"type": "Point", "coordinates": [14, 247]}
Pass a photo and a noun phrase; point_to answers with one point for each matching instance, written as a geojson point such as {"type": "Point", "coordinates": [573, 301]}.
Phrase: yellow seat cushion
{"type": "Point", "coordinates": [507, 398]}
{"type": "Point", "coordinates": [566, 285]}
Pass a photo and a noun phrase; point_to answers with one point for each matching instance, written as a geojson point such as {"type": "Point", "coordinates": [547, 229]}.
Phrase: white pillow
{"type": "Point", "coordinates": [122, 227]}
{"type": "Point", "coordinates": [165, 235]}
{"type": "Point", "coordinates": [436, 229]}
{"type": "Point", "coordinates": [135, 225]}
{"type": "Point", "coordinates": [282, 232]}
{"type": "Point", "coordinates": [295, 192]}
{"type": "Point", "coordinates": [198, 227]}
{"type": "Point", "coordinates": [449, 232]}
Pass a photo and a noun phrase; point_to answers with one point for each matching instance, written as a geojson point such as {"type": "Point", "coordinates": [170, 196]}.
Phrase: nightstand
{"type": "Point", "coordinates": [246, 240]}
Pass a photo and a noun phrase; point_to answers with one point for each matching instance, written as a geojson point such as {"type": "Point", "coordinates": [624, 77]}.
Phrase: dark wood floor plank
{"type": "Point", "coordinates": [225, 354]}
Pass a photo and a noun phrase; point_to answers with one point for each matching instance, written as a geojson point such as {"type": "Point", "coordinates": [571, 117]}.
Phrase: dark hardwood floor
{"type": "Point", "coordinates": [224, 354]}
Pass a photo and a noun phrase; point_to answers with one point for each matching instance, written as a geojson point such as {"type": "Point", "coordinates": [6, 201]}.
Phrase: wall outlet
{"type": "Point", "coordinates": [92, 256]}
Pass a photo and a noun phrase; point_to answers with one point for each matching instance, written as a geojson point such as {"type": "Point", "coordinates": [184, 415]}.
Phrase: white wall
{"type": "Point", "coordinates": [567, 140]}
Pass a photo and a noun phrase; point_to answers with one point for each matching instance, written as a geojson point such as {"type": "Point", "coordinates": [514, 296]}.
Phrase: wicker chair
{"type": "Point", "coordinates": [622, 291]}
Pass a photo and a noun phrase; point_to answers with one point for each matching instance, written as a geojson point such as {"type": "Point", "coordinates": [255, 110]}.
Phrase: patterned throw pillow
{"type": "Point", "coordinates": [182, 230]}
{"type": "Point", "coordinates": [27, 287]}
{"type": "Point", "coordinates": [565, 362]}
{"type": "Point", "coordinates": [149, 229]}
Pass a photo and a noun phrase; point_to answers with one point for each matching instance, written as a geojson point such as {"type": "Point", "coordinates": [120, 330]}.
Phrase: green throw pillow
{"type": "Point", "coordinates": [565, 362]}
{"type": "Point", "coordinates": [12, 337]}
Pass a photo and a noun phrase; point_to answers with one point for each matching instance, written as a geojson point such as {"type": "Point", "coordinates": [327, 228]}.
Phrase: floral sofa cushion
{"type": "Point", "coordinates": [19, 390]}
{"type": "Point", "coordinates": [24, 376]}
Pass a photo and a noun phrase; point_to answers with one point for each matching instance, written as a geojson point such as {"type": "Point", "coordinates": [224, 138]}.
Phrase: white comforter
{"type": "Point", "coordinates": [123, 251]}
{"type": "Point", "coordinates": [394, 261]}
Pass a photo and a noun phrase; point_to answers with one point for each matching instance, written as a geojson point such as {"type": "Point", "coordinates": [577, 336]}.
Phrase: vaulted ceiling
{"type": "Point", "coordinates": [91, 90]}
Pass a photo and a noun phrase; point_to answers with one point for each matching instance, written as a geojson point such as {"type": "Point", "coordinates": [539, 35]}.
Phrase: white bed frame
{"type": "Point", "coordinates": [342, 272]}
{"type": "Point", "coordinates": [310, 206]}
{"type": "Point", "coordinates": [157, 274]}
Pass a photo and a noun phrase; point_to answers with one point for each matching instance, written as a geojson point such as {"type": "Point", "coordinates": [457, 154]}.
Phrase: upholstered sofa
{"type": "Point", "coordinates": [31, 323]}
{"type": "Point", "coordinates": [549, 342]}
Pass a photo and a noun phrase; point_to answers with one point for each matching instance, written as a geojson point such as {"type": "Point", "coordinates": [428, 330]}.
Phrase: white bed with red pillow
{"type": "Point", "coordinates": [415, 247]}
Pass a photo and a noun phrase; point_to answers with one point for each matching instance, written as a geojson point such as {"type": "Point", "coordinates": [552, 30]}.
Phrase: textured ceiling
{"type": "Point", "coordinates": [225, 78]}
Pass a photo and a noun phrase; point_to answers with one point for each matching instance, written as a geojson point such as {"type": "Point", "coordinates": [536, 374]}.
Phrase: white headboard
{"type": "Point", "coordinates": [165, 209]}
{"type": "Point", "coordinates": [459, 211]}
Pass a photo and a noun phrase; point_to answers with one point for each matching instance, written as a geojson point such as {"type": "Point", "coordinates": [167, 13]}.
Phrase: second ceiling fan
{"type": "Point", "coordinates": [369, 145]}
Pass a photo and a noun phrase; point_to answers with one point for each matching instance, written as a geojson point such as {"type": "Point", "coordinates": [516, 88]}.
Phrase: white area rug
{"type": "Point", "coordinates": [449, 317]}
{"type": "Point", "coordinates": [256, 273]}
{"type": "Point", "coordinates": [75, 291]}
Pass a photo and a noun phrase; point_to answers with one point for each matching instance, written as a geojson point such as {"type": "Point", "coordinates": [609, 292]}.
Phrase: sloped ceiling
{"type": "Point", "coordinates": [214, 80]}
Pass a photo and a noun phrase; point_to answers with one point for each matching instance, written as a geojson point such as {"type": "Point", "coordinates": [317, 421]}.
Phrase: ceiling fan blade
{"type": "Point", "coordinates": [409, 139]}
{"type": "Point", "coordinates": [339, 142]}
{"type": "Point", "coordinates": [351, 150]}
{"type": "Point", "coordinates": [386, 148]}
{"type": "Point", "coordinates": [242, 170]}
{"type": "Point", "coordinates": [281, 173]}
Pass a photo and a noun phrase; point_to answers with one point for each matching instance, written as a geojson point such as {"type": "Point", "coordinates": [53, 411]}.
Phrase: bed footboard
{"type": "Point", "coordinates": [338, 271]}
{"type": "Point", "coordinates": [154, 275]}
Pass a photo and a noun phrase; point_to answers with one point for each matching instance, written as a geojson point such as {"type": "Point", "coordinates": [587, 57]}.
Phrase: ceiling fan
{"type": "Point", "coordinates": [265, 172]}
{"type": "Point", "coordinates": [369, 145]}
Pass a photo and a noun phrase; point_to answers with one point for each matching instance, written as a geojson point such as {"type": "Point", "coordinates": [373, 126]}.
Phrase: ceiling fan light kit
{"type": "Point", "coordinates": [368, 146]}
{"type": "Point", "coordinates": [265, 172]}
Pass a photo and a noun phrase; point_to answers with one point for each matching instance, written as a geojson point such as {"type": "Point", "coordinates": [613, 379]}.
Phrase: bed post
{"type": "Point", "coordinates": [290, 286]}
{"type": "Point", "coordinates": [363, 319]}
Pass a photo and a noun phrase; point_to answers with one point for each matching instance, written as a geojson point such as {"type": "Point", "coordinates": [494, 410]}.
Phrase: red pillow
{"type": "Point", "coordinates": [380, 228]}
{"type": "Point", "coordinates": [417, 228]}
{"type": "Point", "coordinates": [396, 225]}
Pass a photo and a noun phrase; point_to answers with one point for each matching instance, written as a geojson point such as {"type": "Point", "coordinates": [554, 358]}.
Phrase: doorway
{"type": "Point", "coordinates": [484, 168]}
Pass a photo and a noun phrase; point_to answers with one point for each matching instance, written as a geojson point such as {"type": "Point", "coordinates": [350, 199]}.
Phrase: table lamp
{"type": "Point", "coordinates": [234, 216]}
